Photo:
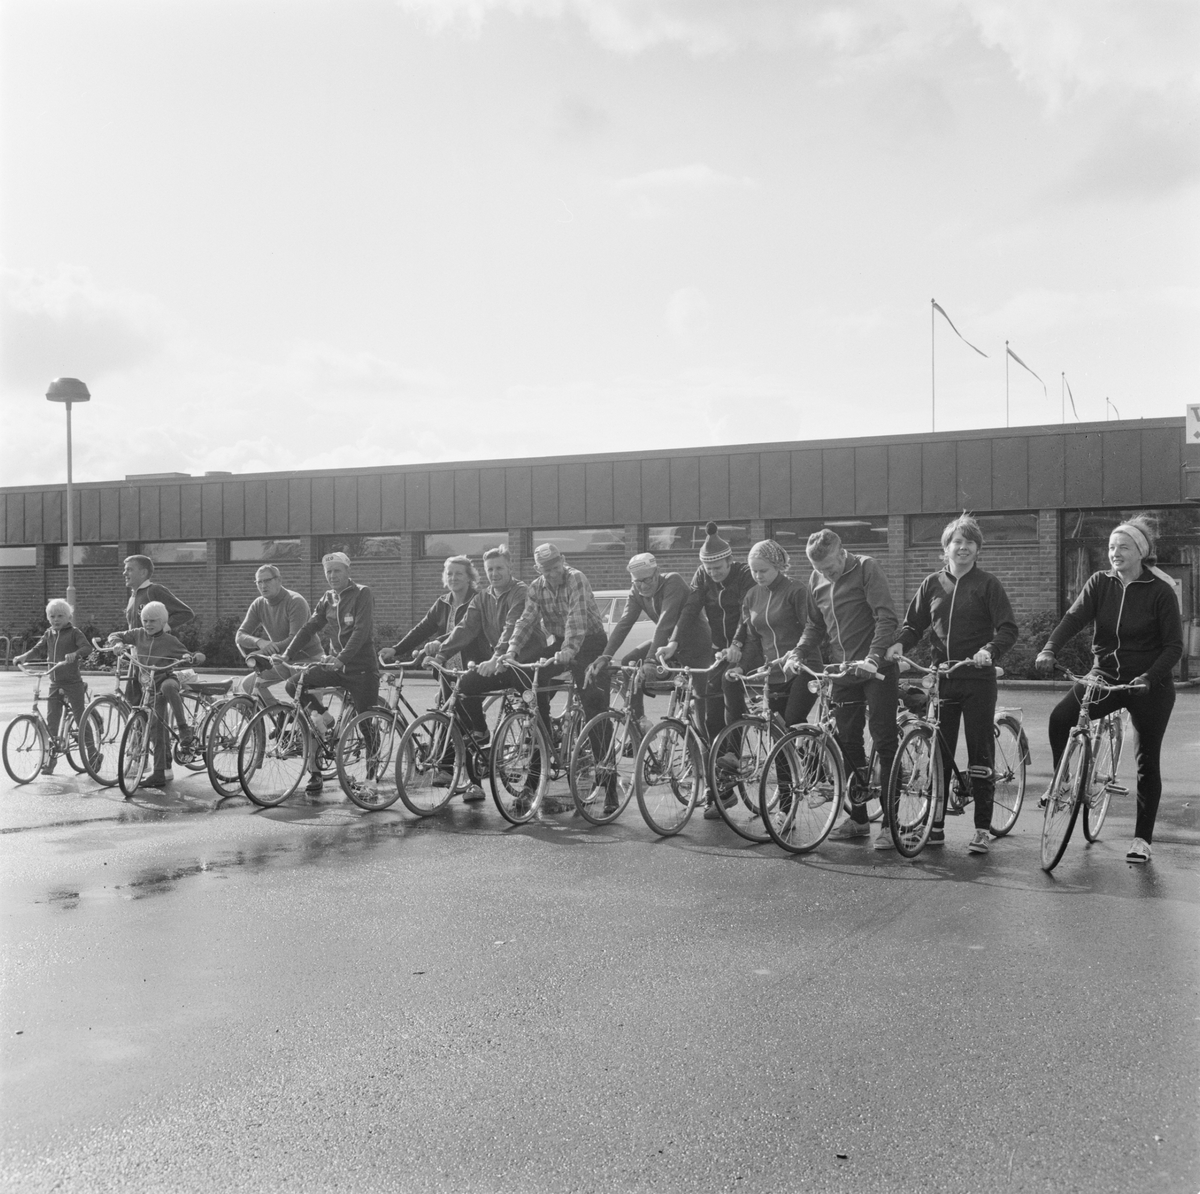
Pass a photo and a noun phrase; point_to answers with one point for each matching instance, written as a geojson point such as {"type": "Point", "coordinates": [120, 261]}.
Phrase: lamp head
{"type": "Point", "coordinates": [67, 389]}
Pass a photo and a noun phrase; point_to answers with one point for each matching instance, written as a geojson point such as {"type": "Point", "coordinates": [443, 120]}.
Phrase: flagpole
{"type": "Point", "coordinates": [1062, 395]}
{"type": "Point", "coordinates": [1005, 383]}
{"type": "Point", "coordinates": [932, 370]}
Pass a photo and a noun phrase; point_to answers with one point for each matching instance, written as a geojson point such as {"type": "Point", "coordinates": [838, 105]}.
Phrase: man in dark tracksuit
{"type": "Point", "coordinates": [346, 611]}
{"type": "Point", "coordinates": [851, 615]}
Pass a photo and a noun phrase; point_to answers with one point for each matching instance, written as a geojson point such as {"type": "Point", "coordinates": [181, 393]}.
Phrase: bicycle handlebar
{"type": "Point", "coordinates": [944, 669]}
{"type": "Point", "coordinates": [1094, 678]}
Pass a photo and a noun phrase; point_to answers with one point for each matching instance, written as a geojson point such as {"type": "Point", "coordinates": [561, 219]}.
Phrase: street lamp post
{"type": "Point", "coordinates": [68, 390]}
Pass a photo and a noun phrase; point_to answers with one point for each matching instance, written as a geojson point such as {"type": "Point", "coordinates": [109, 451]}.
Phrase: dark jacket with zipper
{"type": "Point", "coordinates": [853, 614]}
{"type": "Point", "coordinates": [963, 615]}
{"type": "Point", "coordinates": [442, 620]}
{"type": "Point", "coordinates": [772, 622]}
{"type": "Point", "coordinates": [57, 644]}
{"type": "Point", "coordinates": [721, 601]}
{"type": "Point", "coordinates": [1138, 630]}
{"type": "Point", "coordinates": [348, 618]}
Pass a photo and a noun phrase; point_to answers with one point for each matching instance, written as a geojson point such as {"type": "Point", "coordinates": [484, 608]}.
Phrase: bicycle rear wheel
{"type": "Point", "coordinates": [273, 755]}
{"type": "Point", "coordinates": [520, 766]}
{"type": "Point", "coordinates": [135, 750]}
{"type": "Point", "coordinates": [1008, 769]}
{"type": "Point", "coordinates": [1103, 779]}
{"type": "Point", "coordinates": [25, 749]}
{"type": "Point", "coordinates": [802, 788]}
{"type": "Point", "coordinates": [106, 717]}
{"type": "Point", "coordinates": [225, 729]}
{"type": "Point", "coordinates": [601, 789]}
{"type": "Point", "coordinates": [429, 764]}
{"type": "Point", "coordinates": [668, 776]}
{"type": "Point", "coordinates": [366, 753]}
{"type": "Point", "coordinates": [1064, 798]}
{"type": "Point", "coordinates": [735, 768]}
{"type": "Point", "coordinates": [913, 789]}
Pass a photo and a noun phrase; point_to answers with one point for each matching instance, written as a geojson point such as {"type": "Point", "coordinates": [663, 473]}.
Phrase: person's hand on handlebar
{"type": "Point", "coordinates": [982, 658]}
{"type": "Point", "coordinates": [894, 651]}
{"type": "Point", "coordinates": [387, 655]}
{"type": "Point", "coordinates": [334, 662]}
{"type": "Point", "coordinates": [865, 667]}
{"type": "Point", "coordinates": [489, 667]}
{"type": "Point", "coordinates": [791, 665]}
{"type": "Point", "coordinates": [1044, 663]}
{"type": "Point", "coordinates": [596, 670]}
{"type": "Point", "coordinates": [666, 651]}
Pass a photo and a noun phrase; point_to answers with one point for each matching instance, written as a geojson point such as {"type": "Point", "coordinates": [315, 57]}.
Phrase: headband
{"type": "Point", "coordinates": [770, 551]}
{"type": "Point", "coordinates": [1136, 534]}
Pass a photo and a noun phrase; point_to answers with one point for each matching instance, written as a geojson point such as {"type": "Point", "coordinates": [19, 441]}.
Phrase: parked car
{"type": "Point", "coordinates": [611, 603]}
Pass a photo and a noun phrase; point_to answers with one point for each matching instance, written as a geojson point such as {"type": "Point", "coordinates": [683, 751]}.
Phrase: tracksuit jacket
{"type": "Point", "coordinates": [854, 614]}
{"type": "Point", "coordinates": [721, 602]}
{"type": "Point", "coordinates": [348, 617]}
{"type": "Point", "coordinates": [494, 615]}
{"type": "Point", "coordinates": [1138, 630]}
{"type": "Point", "coordinates": [675, 619]}
{"type": "Point", "coordinates": [773, 618]}
{"type": "Point", "coordinates": [59, 643]}
{"type": "Point", "coordinates": [177, 612]}
{"type": "Point", "coordinates": [962, 615]}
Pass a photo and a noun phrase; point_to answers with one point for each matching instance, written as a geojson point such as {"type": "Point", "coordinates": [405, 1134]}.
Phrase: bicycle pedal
{"type": "Point", "coordinates": [1118, 790]}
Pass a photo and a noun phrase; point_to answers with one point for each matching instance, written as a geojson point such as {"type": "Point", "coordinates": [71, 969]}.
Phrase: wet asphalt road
{"type": "Point", "coordinates": [199, 997]}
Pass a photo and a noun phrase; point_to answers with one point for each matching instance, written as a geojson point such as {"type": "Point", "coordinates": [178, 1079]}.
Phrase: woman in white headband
{"type": "Point", "coordinates": [1138, 639]}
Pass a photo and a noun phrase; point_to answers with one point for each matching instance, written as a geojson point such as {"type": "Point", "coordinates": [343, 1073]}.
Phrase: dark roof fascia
{"type": "Point", "coordinates": [1030, 432]}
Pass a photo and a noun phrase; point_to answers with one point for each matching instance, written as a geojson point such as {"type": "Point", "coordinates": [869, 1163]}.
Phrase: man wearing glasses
{"type": "Point", "coordinates": [274, 618]}
{"type": "Point", "coordinates": [663, 598]}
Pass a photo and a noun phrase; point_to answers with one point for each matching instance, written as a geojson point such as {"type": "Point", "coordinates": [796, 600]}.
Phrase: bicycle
{"type": "Point", "coordinates": [281, 744]}
{"type": "Point", "coordinates": [29, 747]}
{"type": "Point", "coordinates": [1086, 774]}
{"type": "Point", "coordinates": [370, 741]}
{"type": "Point", "coordinates": [803, 784]}
{"type": "Point", "coordinates": [916, 784]}
{"type": "Point", "coordinates": [137, 738]}
{"type": "Point", "coordinates": [526, 756]}
{"type": "Point", "coordinates": [669, 768]}
{"type": "Point", "coordinates": [433, 753]}
{"type": "Point", "coordinates": [107, 714]}
{"type": "Point", "coordinates": [602, 787]}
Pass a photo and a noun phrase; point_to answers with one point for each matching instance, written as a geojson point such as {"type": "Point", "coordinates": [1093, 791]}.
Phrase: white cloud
{"type": "Point", "coordinates": [688, 314]}
{"type": "Point", "coordinates": [646, 196]}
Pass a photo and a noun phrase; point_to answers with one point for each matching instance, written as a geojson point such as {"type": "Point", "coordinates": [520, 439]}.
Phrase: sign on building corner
{"type": "Point", "coordinates": [1192, 428]}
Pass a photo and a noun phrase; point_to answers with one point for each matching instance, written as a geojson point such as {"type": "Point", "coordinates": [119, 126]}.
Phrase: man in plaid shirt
{"type": "Point", "coordinates": [561, 599]}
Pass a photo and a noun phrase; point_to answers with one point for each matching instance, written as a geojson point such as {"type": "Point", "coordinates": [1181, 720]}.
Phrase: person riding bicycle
{"type": "Point", "coordinates": [431, 638]}
{"type": "Point", "coordinates": [560, 601]}
{"type": "Point", "coordinates": [679, 628]}
{"type": "Point", "coordinates": [769, 630]}
{"type": "Point", "coordinates": [851, 618]}
{"type": "Point", "coordinates": [64, 644]}
{"type": "Point", "coordinates": [272, 621]}
{"type": "Point", "coordinates": [968, 616]}
{"type": "Point", "coordinates": [346, 611]}
{"type": "Point", "coordinates": [136, 572]}
{"type": "Point", "coordinates": [153, 644]}
{"type": "Point", "coordinates": [494, 611]}
{"type": "Point", "coordinates": [1137, 639]}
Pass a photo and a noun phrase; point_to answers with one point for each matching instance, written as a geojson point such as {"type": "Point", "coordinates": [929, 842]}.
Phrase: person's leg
{"type": "Point", "coordinates": [882, 696]}
{"type": "Point", "coordinates": [1150, 713]}
{"type": "Point", "coordinates": [979, 722]}
{"type": "Point", "coordinates": [850, 715]}
{"type": "Point", "coordinates": [949, 717]}
{"type": "Point", "coordinates": [709, 693]}
{"type": "Point", "coordinates": [54, 708]}
{"type": "Point", "coordinates": [797, 701]}
{"type": "Point", "coordinates": [637, 699]}
{"type": "Point", "coordinates": [169, 688]}
{"type": "Point", "coordinates": [735, 709]}
{"type": "Point", "coordinates": [158, 731]}
{"type": "Point", "coordinates": [470, 700]}
{"type": "Point", "coordinates": [1063, 717]}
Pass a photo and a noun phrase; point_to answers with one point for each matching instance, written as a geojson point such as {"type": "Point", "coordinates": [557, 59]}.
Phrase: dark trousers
{"type": "Point", "coordinates": [973, 702]}
{"type": "Point", "coordinates": [789, 698]}
{"type": "Point", "coordinates": [1150, 711]}
{"type": "Point", "coordinates": [74, 692]}
{"type": "Point", "coordinates": [593, 697]}
{"type": "Point", "coordinates": [474, 687]}
{"type": "Point", "coordinates": [166, 694]}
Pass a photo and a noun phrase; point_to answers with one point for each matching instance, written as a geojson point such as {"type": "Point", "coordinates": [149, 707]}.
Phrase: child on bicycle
{"type": "Point", "coordinates": [64, 644]}
{"type": "Point", "coordinates": [153, 644]}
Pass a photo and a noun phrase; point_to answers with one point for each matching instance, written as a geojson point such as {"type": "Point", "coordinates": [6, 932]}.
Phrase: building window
{"type": "Point", "coordinates": [438, 545]}
{"type": "Point", "coordinates": [18, 557]}
{"type": "Point", "coordinates": [194, 551]}
{"type": "Point", "coordinates": [581, 540]}
{"type": "Point", "coordinates": [102, 555]}
{"type": "Point", "coordinates": [865, 530]}
{"type": "Point", "coordinates": [691, 536]}
{"type": "Point", "coordinates": [925, 530]}
{"type": "Point", "coordinates": [364, 547]}
{"type": "Point", "coordinates": [257, 551]}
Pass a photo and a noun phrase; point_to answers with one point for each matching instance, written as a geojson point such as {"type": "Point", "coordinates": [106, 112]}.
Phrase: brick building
{"type": "Point", "coordinates": [1047, 497]}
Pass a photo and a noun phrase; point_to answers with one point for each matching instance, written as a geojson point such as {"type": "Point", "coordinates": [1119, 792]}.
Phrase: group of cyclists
{"type": "Point", "coordinates": [729, 620]}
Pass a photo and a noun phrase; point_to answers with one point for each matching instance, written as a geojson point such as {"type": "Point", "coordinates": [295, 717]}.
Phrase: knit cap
{"type": "Point", "coordinates": [714, 547]}
{"type": "Point", "coordinates": [642, 565]}
{"type": "Point", "coordinates": [546, 553]}
{"type": "Point", "coordinates": [772, 553]}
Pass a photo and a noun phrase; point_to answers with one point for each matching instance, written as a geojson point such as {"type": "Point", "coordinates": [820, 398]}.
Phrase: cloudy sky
{"type": "Point", "coordinates": [293, 234]}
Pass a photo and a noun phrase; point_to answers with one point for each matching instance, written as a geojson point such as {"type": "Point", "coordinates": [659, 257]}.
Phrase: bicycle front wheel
{"type": "Point", "coordinates": [520, 765]}
{"type": "Point", "coordinates": [736, 764]}
{"type": "Point", "coordinates": [602, 786]}
{"type": "Point", "coordinates": [77, 741]}
{"type": "Point", "coordinates": [668, 776]}
{"type": "Point", "coordinates": [105, 718]}
{"type": "Point", "coordinates": [366, 753]}
{"type": "Point", "coordinates": [134, 755]}
{"type": "Point", "coordinates": [802, 788]}
{"type": "Point", "coordinates": [225, 729]}
{"type": "Point", "coordinates": [914, 787]}
{"type": "Point", "coordinates": [429, 764]}
{"type": "Point", "coordinates": [273, 755]}
{"type": "Point", "coordinates": [24, 748]}
{"type": "Point", "coordinates": [1009, 772]}
{"type": "Point", "coordinates": [1063, 799]}
{"type": "Point", "coordinates": [1103, 779]}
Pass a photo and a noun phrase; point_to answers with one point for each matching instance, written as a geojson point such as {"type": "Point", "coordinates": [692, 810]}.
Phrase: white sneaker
{"type": "Point", "coordinates": [850, 829]}
{"type": "Point", "coordinates": [1139, 851]}
{"type": "Point", "coordinates": [979, 843]}
{"type": "Point", "coordinates": [883, 840]}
